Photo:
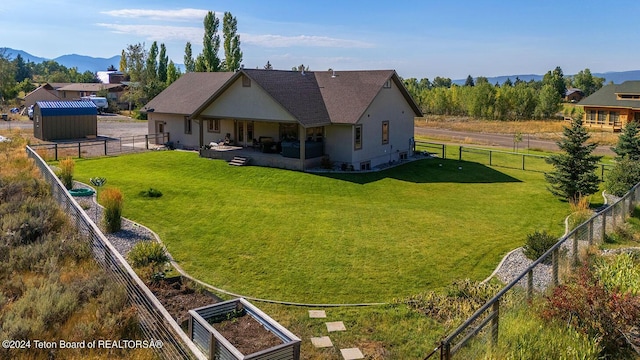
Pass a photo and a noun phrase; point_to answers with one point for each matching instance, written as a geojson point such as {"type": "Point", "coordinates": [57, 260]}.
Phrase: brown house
{"type": "Point", "coordinates": [45, 92]}
{"type": "Point", "coordinates": [573, 95]}
{"type": "Point", "coordinates": [76, 91]}
{"type": "Point", "coordinates": [613, 106]}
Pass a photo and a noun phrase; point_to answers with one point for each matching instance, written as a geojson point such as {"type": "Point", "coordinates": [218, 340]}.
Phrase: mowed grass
{"type": "Point", "coordinates": [343, 238]}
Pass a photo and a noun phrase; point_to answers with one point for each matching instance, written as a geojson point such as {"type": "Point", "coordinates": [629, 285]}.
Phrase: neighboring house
{"type": "Point", "coordinates": [76, 91]}
{"type": "Point", "coordinates": [44, 92]}
{"type": "Point", "coordinates": [613, 106]}
{"type": "Point", "coordinates": [358, 119]}
{"type": "Point", "coordinates": [573, 95]}
{"type": "Point", "coordinates": [58, 120]}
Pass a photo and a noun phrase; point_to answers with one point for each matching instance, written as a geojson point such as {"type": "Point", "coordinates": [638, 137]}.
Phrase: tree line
{"type": "Point", "coordinates": [518, 100]}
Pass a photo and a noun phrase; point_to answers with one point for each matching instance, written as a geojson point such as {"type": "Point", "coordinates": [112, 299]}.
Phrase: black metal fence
{"type": "Point", "coordinates": [156, 323]}
{"type": "Point", "coordinates": [102, 147]}
{"type": "Point", "coordinates": [479, 335]}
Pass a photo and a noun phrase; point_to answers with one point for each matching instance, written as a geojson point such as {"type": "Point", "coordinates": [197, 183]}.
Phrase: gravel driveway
{"type": "Point", "coordinates": [109, 125]}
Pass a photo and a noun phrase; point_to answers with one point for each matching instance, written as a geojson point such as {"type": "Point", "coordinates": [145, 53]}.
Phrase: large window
{"type": "Point", "coordinates": [385, 132]}
{"type": "Point", "coordinates": [591, 117]}
{"type": "Point", "coordinates": [602, 116]}
{"type": "Point", "coordinates": [357, 137]}
{"type": "Point", "coordinates": [613, 118]}
{"type": "Point", "coordinates": [288, 132]}
{"type": "Point", "coordinates": [187, 125]}
{"type": "Point", "coordinates": [314, 134]}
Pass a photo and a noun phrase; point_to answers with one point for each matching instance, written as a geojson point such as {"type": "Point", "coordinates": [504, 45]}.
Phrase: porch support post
{"type": "Point", "coordinates": [302, 135]}
{"type": "Point", "coordinates": [201, 127]}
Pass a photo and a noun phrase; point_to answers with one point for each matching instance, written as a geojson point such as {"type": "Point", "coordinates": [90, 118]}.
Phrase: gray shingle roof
{"type": "Point", "coordinates": [606, 96]}
{"type": "Point", "coordinates": [187, 95]}
{"type": "Point", "coordinates": [313, 98]}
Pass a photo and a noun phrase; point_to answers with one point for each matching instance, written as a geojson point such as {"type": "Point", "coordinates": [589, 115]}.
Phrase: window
{"type": "Point", "coordinates": [591, 116]}
{"type": "Point", "coordinates": [357, 137]}
{"type": "Point", "coordinates": [602, 116]}
{"type": "Point", "coordinates": [404, 155]}
{"type": "Point", "coordinates": [288, 132]}
{"type": "Point", "coordinates": [187, 125]}
{"type": "Point", "coordinates": [315, 134]}
{"type": "Point", "coordinates": [385, 132]}
{"type": "Point", "coordinates": [213, 125]}
{"type": "Point", "coordinates": [246, 81]}
{"type": "Point", "coordinates": [387, 84]}
{"type": "Point", "coordinates": [365, 165]}
{"type": "Point", "coordinates": [613, 118]}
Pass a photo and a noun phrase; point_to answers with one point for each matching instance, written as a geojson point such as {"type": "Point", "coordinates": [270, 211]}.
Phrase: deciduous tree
{"type": "Point", "coordinates": [189, 63]}
{"type": "Point", "coordinates": [211, 43]}
{"type": "Point", "coordinates": [163, 62]}
{"type": "Point", "coordinates": [232, 52]}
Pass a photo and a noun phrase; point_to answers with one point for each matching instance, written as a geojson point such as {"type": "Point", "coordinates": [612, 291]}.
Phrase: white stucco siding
{"type": "Point", "coordinates": [389, 105]}
{"type": "Point", "coordinates": [247, 103]}
{"type": "Point", "coordinates": [226, 127]}
{"type": "Point", "coordinates": [339, 143]}
{"type": "Point", "coordinates": [174, 125]}
{"type": "Point", "coordinates": [266, 129]}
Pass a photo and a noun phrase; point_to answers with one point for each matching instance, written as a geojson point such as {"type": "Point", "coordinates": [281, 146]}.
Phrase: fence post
{"type": "Point", "coordinates": [530, 285]}
{"type": "Point", "coordinates": [522, 161]}
{"type": "Point", "coordinates": [56, 151]}
{"type": "Point", "coordinates": [79, 154]}
{"type": "Point", "coordinates": [146, 141]}
{"type": "Point", "coordinates": [444, 151]}
{"type": "Point", "coordinates": [554, 267]}
{"type": "Point", "coordinates": [445, 351]}
{"type": "Point", "coordinates": [494, 324]}
{"type": "Point", "coordinates": [490, 158]}
{"type": "Point", "coordinates": [105, 148]}
{"type": "Point", "coordinates": [460, 153]}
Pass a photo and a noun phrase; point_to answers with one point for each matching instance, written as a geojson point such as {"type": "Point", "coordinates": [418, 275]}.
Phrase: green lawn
{"type": "Point", "coordinates": [301, 237]}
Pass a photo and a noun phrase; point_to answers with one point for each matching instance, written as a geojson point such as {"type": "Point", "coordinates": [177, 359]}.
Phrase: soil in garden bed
{"type": "Point", "coordinates": [247, 334]}
{"type": "Point", "coordinates": [178, 298]}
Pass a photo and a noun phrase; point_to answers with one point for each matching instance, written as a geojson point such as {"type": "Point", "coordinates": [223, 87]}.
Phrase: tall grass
{"type": "Point", "coordinates": [66, 172]}
{"type": "Point", "coordinates": [112, 200]}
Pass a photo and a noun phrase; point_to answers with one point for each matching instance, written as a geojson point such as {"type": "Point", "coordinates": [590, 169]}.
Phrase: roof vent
{"type": "Point", "coordinates": [333, 75]}
{"type": "Point", "coordinates": [302, 72]}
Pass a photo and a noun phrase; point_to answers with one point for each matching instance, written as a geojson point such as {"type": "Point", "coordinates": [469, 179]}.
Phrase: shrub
{"type": "Point", "coordinates": [326, 162]}
{"type": "Point", "coordinates": [151, 193]}
{"type": "Point", "coordinates": [620, 235]}
{"type": "Point", "coordinates": [537, 244]}
{"type": "Point", "coordinates": [620, 273]}
{"type": "Point", "coordinates": [622, 177]}
{"type": "Point", "coordinates": [66, 172]}
{"type": "Point", "coordinates": [112, 200]}
{"type": "Point", "coordinates": [585, 303]}
{"type": "Point", "coordinates": [149, 257]}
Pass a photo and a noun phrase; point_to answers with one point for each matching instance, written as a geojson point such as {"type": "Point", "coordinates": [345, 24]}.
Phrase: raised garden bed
{"type": "Point", "coordinates": [236, 329]}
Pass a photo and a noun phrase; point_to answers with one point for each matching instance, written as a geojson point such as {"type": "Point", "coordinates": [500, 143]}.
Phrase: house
{"type": "Point", "coordinates": [290, 119]}
{"type": "Point", "coordinates": [44, 92]}
{"type": "Point", "coordinates": [58, 120]}
{"type": "Point", "coordinates": [573, 95]}
{"type": "Point", "coordinates": [613, 106]}
{"type": "Point", "coordinates": [76, 91]}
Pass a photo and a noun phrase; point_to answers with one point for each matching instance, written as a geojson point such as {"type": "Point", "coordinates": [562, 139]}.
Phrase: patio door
{"type": "Point", "coordinates": [244, 133]}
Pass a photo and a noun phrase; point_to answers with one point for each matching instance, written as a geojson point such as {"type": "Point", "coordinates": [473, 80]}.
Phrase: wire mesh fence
{"type": "Point", "coordinates": [93, 148]}
{"type": "Point", "coordinates": [157, 325]}
{"type": "Point", "coordinates": [480, 336]}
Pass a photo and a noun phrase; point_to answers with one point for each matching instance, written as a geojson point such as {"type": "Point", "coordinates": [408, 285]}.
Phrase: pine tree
{"type": "Point", "coordinates": [574, 170]}
{"type": "Point", "coordinates": [189, 63]}
{"type": "Point", "coordinates": [629, 142]}
{"type": "Point", "coordinates": [469, 81]}
{"type": "Point", "coordinates": [232, 53]}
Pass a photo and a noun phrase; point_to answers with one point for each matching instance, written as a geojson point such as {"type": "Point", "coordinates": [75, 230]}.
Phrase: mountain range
{"type": "Point", "coordinates": [87, 63]}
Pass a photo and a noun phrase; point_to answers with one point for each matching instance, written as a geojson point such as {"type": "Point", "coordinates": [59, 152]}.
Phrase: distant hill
{"type": "Point", "coordinates": [84, 63]}
{"type": "Point", "coordinates": [617, 77]}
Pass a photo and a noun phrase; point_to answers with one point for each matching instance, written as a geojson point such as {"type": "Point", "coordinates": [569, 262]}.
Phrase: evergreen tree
{"type": "Point", "coordinates": [555, 79]}
{"type": "Point", "coordinates": [151, 69]}
{"type": "Point", "coordinates": [507, 82]}
{"type": "Point", "coordinates": [163, 62]}
{"type": "Point", "coordinates": [21, 68]}
{"type": "Point", "coordinates": [469, 81]}
{"type": "Point", "coordinates": [232, 53]}
{"type": "Point", "coordinates": [189, 63]}
{"type": "Point", "coordinates": [173, 73]}
{"type": "Point", "coordinates": [629, 142]}
{"type": "Point", "coordinates": [574, 169]}
{"type": "Point", "coordinates": [211, 43]}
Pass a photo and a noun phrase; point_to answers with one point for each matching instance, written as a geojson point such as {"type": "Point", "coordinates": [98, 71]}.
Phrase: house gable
{"type": "Point", "coordinates": [245, 99]}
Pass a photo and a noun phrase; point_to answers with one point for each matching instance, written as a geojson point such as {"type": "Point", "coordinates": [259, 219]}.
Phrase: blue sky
{"type": "Point", "coordinates": [416, 38]}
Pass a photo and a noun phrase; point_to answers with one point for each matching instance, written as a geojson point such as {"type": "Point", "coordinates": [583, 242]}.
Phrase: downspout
{"type": "Point", "coordinates": [302, 134]}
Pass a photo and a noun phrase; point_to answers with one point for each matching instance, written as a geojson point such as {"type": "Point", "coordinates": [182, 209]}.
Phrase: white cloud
{"type": "Point", "coordinates": [180, 14]}
{"type": "Point", "coordinates": [158, 32]}
{"type": "Point", "coordinates": [301, 40]}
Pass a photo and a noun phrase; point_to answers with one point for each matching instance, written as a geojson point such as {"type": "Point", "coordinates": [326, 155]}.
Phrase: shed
{"type": "Point", "coordinates": [57, 120]}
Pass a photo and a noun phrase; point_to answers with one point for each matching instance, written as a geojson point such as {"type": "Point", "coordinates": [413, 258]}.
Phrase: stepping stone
{"type": "Point", "coordinates": [351, 354]}
{"type": "Point", "coordinates": [317, 314]}
{"type": "Point", "coordinates": [335, 326]}
{"type": "Point", "coordinates": [321, 342]}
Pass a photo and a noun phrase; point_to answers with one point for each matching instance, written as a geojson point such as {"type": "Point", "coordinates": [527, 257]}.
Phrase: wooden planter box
{"type": "Point", "coordinates": [215, 346]}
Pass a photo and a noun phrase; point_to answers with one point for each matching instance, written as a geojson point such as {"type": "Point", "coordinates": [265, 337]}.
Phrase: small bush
{"type": "Point", "coordinates": [66, 172]}
{"type": "Point", "coordinates": [624, 175]}
{"type": "Point", "coordinates": [620, 235]}
{"type": "Point", "coordinates": [151, 193]}
{"type": "Point", "coordinates": [537, 244]}
{"type": "Point", "coordinates": [112, 200]}
{"type": "Point", "coordinates": [326, 162]}
{"type": "Point", "coordinates": [148, 253]}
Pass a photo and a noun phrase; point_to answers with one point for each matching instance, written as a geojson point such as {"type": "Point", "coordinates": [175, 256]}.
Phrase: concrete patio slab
{"type": "Point", "coordinates": [321, 342]}
{"type": "Point", "coordinates": [351, 354]}
{"type": "Point", "coordinates": [317, 314]}
{"type": "Point", "coordinates": [335, 326]}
